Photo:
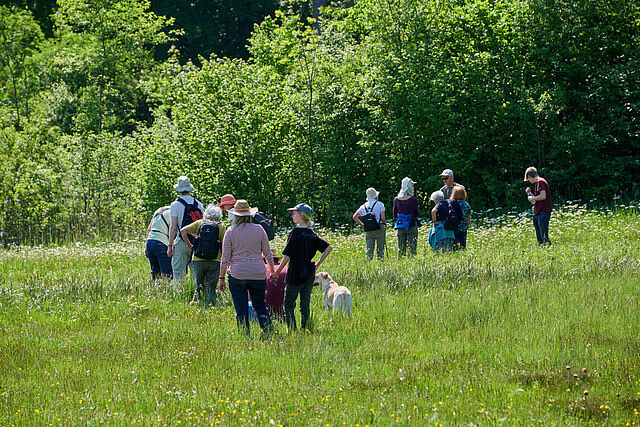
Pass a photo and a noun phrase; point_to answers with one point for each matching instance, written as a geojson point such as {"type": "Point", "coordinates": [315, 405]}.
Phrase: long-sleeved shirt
{"type": "Point", "coordinates": [242, 250]}
{"type": "Point", "coordinates": [407, 206]}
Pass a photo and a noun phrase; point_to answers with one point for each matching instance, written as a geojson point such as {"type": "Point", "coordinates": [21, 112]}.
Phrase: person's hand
{"type": "Point", "coordinates": [273, 277]}
{"type": "Point", "coordinates": [170, 251]}
{"type": "Point", "coordinates": [222, 285]}
{"type": "Point", "coordinates": [528, 190]}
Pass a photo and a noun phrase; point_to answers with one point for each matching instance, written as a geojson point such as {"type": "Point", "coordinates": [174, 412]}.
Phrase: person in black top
{"type": "Point", "coordinates": [302, 245]}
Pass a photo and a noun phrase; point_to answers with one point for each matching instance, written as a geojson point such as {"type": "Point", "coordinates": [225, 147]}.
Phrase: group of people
{"type": "Point", "coordinates": [450, 215]}
{"type": "Point", "coordinates": [187, 235]}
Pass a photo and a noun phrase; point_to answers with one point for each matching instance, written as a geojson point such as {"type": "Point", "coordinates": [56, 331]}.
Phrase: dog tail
{"type": "Point", "coordinates": [346, 305]}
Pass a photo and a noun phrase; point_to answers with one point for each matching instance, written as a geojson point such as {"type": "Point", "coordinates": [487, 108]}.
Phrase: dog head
{"type": "Point", "coordinates": [323, 279]}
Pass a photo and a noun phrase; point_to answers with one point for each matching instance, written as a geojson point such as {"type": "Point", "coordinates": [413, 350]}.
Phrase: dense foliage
{"type": "Point", "coordinates": [95, 130]}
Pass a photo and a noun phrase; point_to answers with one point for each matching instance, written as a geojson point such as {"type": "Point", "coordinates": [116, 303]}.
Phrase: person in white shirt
{"type": "Point", "coordinates": [178, 250]}
{"type": "Point", "coordinates": [372, 212]}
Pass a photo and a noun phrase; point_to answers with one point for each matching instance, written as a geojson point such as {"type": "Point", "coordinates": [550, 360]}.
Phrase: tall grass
{"type": "Point", "coordinates": [504, 332]}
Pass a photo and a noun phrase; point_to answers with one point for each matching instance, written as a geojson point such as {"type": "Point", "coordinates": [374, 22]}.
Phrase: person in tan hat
{"type": "Point", "coordinates": [374, 230]}
{"type": "Point", "coordinates": [243, 248]}
{"type": "Point", "coordinates": [184, 211]}
{"type": "Point", "coordinates": [406, 213]}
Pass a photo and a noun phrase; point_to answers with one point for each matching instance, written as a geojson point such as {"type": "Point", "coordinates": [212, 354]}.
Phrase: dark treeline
{"type": "Point", "coordinates": [104, 103]}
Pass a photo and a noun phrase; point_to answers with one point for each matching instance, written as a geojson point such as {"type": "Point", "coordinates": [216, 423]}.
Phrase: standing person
{"type": "Point", "coordinates": [374, 230]}
{"type": "Point", "coordinates": [184, 211]}
{"type": "Point", "coordinates": [274, 295]}
{"type": "Point", "coordinates": [301, 247]}
{"type": "Point", "coordinates": [157, 243]}
{"type": "Point", "coordinates": [406, 213]}
{"type": "Point", "coordinates": [243, 247]}
{"type": "Point", "coordinates": [541, 199]}
{"type": "Point", "coordinates": [447, 178]}
{"type": "Point", "coordinates": [440, 239]}
{"type": "Point", "coordinates": [227, 202]}
{"type": "Point", "coordinates": [205, 265]}
{"type": "Point", "coordinates": [460, 194]}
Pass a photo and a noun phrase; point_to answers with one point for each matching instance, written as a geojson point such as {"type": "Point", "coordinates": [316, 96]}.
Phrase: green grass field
{"type": "Point", "coordinates": [505, 332]}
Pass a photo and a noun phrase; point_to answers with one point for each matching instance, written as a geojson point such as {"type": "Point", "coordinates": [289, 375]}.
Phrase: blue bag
{"type": "Point", "coordinates": [404, 221]}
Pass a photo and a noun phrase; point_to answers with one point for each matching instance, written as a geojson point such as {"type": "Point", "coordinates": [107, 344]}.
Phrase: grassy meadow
{"type": "Point", "coordinates": [505, 332]}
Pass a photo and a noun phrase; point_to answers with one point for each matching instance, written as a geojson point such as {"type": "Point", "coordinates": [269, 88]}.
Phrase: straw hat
{"type": "Point", "coordinates": [242, 208]}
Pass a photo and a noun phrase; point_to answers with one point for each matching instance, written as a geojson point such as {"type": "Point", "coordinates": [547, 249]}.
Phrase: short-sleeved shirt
{"type": "Point", "coordinates": [541, 205]}
{"type": "Point", "coordinates": [302, 245]}
{"type": "Point", "coordinates": [160, 226]}
{"type": "Point", "coordinates": [194, 227]}
{"type": "Point", "coordinates": [448, 190]}
{"type": "Point", "coordinates": [177, 210]}
{"type": "Point", "coordinates": [378, 208]}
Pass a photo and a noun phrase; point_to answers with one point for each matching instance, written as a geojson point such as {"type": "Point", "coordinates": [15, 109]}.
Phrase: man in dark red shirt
{"type": "Point", "coordinates": [541, 199]}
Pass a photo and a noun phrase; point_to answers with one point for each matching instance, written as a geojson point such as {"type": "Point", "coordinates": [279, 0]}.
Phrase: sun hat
{"type": "Point", "coordinates": [227, 200]}
{"type": "Point", "coordinates": [407, 186]}
{"type": "Point", "coordinates": [242, 208]}
{"type": "Point", "coordinates": [447, 172]}
{"type": "Point", "coordinates": [372, 193]}
{"type": "Point", "coordinates": [184, 184]}
{"type": "Point", "coordinates": [302, 207]}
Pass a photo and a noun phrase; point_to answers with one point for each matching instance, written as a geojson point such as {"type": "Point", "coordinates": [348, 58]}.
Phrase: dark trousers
{"type": "Point", "coordinates": [461, 239]}
{"type": "Point", "coordinates": [256, 288]}
{"type": "Point", "coordinates": [541, 224]}
{"type": "Point", "coordinates": [290, 295]}
{"type": "Point", "coordinates": [160, 262]}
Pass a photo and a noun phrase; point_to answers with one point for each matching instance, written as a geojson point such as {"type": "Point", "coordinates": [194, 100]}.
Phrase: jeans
{"type": "Point", "coordinates": [180, 259]}
{"type": "Point", "coordinates": [444, 245]}
{"type": "Point", "coordinates": [541, 224]}
{"type": "Point", "coordinates": [290, 295]}
{"type": "Point", "coordinates": [461, 239]}
{"type": "Point", "coordinates": [205, 276]}
{"type": "Point", "coordinates": [371, 237]}
{"type": "Point", "coordinates": [160, 262]}
{"type": "Point", "coordinates": [256, 288]}
{"type": "Point", "coordinates": [408, 238]}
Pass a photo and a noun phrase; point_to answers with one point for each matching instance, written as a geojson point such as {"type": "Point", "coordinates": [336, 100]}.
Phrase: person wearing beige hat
{"type": "Point", "coordinates": [244, 247]}
{"type": "Point", "coordinates": [406, 213]}
{"type": "Point", "coordinates": [373, 214]}
{"type": "Point", "coordinates": [184, 210]}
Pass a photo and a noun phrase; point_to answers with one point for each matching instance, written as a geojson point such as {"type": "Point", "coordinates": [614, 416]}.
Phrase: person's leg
{"type": "Point", "coordinates": [402, 242]}
{"type": "Point", "coordinates": [463, 239]}
{"type": "Point", "coordinates": [545, 218]}
{"type": "Point", "coordinates": [180, 259]}
{"type": "Point", "coordinates": [305, 302]}
{"type": "Point", "coordinates": [210, 282]}
{"type": "Point", "coordinates": [536, 225]}
{"type": "Point", "coordinates": [290, 294]}
{"type": "Point", "coordinates": [198, 271]}
{"type": "Point", "coordinates": [164, 261]}
{"type": "Point", "coordinates": [238, 289]}
{"type": "Point", "coordinates": [382, 241]}
{"type": "Point", "coordinates": [369, 240]}
{"type": "Point", "coordinates": [151, 249]}
{"type": "Point", "coordinates": [256, 289]}
{"type": "Point", "coordinates": [412, 239]}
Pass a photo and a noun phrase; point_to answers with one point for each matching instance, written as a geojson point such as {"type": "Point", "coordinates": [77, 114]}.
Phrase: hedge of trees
{"type": "Point", "coordinates": [94, 128]}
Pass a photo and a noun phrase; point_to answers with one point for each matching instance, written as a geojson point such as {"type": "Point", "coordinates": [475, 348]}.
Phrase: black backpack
{"type": "Point", "coordinates": [454, 215]}
{"type": "Point", "coordinates": [192, 213]}
{"type": "Point", "coordinates": [266, 223]}
{"type": "Point", "coordinates": [369, 219]}
{"type": "Point", "coordinates": [207, 243]}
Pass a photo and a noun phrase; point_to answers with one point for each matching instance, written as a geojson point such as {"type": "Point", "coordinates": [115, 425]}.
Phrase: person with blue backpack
{"type": "Point", "coordinates": [406, 213]}
{"type": "Point", "coordinates": [207, 251]}
{"type": "Point", "coordinates": [371, 216]}
{"type": "Point", "coordinates": [184, 211]}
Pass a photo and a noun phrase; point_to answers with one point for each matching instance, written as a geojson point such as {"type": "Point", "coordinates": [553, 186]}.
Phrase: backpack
{"type": "Point", "coordinates": [369, 219]}
{"type": "Point", "coordinates": [265, 222]}
{"type": "Point", "coordinates": [192, 213]}
{"type": "Point", "coordinates": [207, 243]}
{"type": "Point", "coordinates": [404, 221]}
{"type": "Point", "coordinates": [454, 215]}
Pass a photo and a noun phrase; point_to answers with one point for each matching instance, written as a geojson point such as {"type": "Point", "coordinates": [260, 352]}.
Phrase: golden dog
{"type": "Point", "coordinates": [335, 297]}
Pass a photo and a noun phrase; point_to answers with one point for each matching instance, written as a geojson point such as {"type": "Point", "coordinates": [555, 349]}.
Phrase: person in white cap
{"type": "Point", "coordinates": [184, 211]}
{"type": "Point", "coordinates": [447, 178]}
{"type": "Point", "coordinates": [371, 216]}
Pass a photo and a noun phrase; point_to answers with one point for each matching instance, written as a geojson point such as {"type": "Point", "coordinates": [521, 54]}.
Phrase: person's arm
{"type": "Point", "coordinates": [185, 231]}
{"type": "Point", "coordinates": [394, 210]}
{"type": "Point", "coordinates": [541, 196]}
{"type": "Point", "coordinates": [433, 214]}
{"type": "Point", "coordinates": [266, 250]}
{"type": "Point", "coordinates": [225, 261]}
{"type": "Point", "coordinates": [416, 208]}
{"type": "Point", "coordinates": [383, 217]}
{"type": "Point", "coordinates": [324, 255]}
{"type": "Point", "coordinates": [356, 218]}
{"type": "Point", "coordinates": [173, 230]}
{"type": "Point", "coordinates": [274, 276]}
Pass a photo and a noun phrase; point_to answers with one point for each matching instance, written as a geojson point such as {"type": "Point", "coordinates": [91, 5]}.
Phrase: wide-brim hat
{"type": "Point", "coordinates": [184, 184]}
{"type": "Point", "coordinates": [242, 208]}
{"type": "Point", "coordinates": [372, 193]}
{"type": "Point", "coordinates": [302, 207]}
{"type": "Point", "coordinates": [227, 200]}
{"type": "Point", "coordinates": [446, 172]}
